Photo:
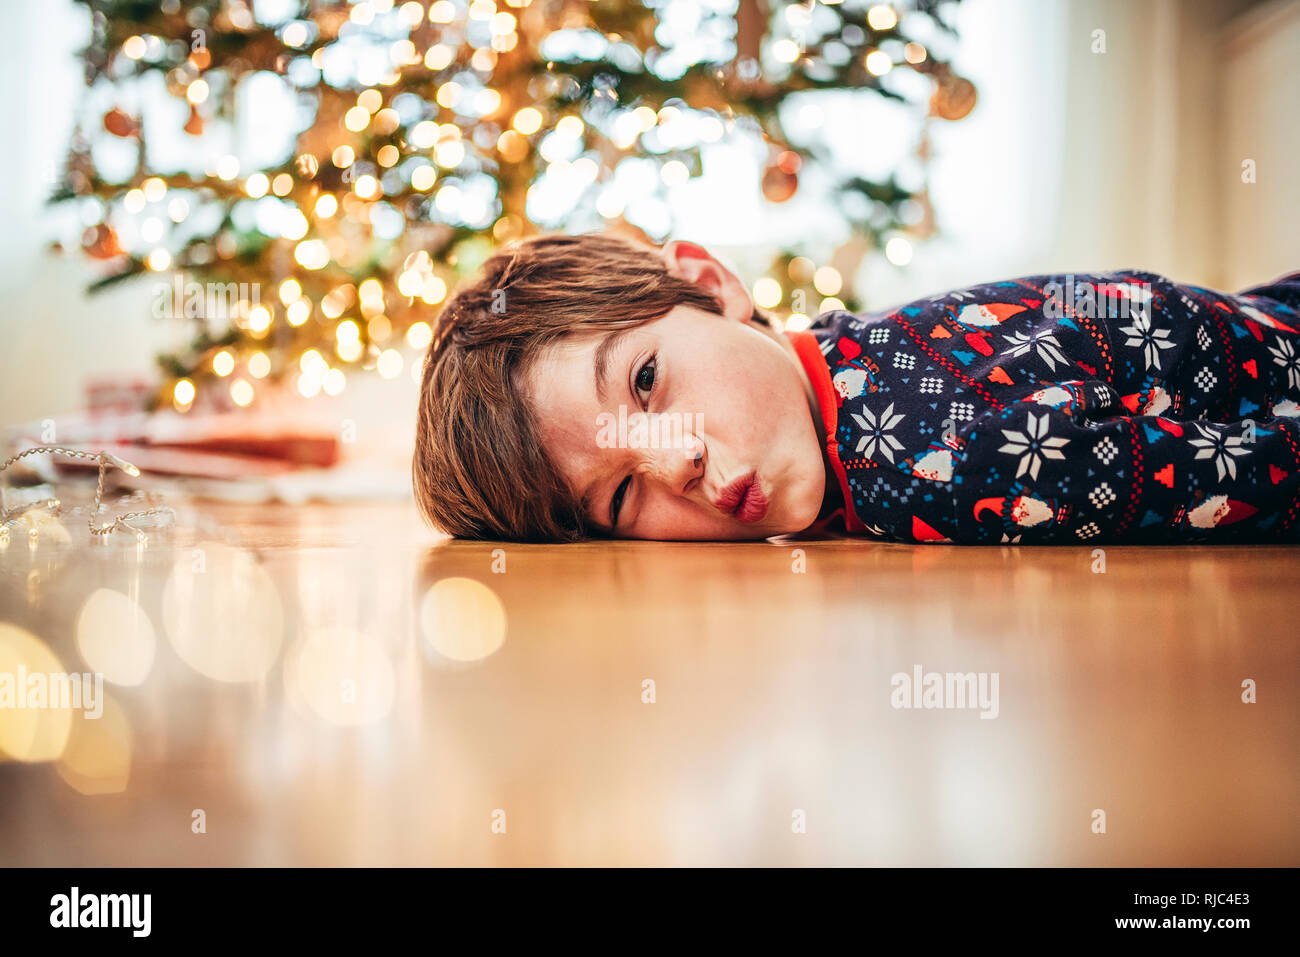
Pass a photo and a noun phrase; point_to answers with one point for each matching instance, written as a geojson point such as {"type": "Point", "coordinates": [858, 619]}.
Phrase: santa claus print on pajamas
{"type": "Point", "coordinates": [1072, 409]}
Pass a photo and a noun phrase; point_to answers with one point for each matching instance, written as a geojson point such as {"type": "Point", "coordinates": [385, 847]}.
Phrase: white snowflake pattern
{"type": "Point", "coordinates": [931, 385]}
{"type": "Point", "coordinates": [878, 336]}
{"type": "Point", "coordinates": [1043, 345]}
{"type": "Point", "coordinates": [1143, 333]}
{"type": "Point", "coordinates": [1034, 447]}
{"type": "Point", "coordinates": [878, 436]}
{"type": "Point", "coordinates": [1284, 354]}
{"type": "Point", "coordinates": [1088, 531]}
{"type": "Point", "coordinates": [1219, 447]}
{"type": "Point", "coordinates": [903, 361]}
{"type": "Point", "coordinates": [1102, 495]}
{"type": "Point", "coordinates": [1105, 450]}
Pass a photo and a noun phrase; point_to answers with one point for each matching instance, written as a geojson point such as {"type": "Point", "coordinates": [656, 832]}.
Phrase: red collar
{"type": "Point", "coordinates": [810, 355]}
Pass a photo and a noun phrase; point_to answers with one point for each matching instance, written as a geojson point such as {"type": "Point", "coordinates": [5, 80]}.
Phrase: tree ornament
{"type": "Point", "coordinates": [781, 178]}
{"type": "Point", "coordinates": [100, 242]}
{"type": "Point", "coordinates": [954, 97]}
{"type": "Point", "coordinates": [120, 123]}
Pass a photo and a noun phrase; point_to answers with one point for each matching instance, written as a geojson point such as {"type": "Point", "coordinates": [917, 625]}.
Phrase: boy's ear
{"type": "Point", "coordinates": [692, 262]}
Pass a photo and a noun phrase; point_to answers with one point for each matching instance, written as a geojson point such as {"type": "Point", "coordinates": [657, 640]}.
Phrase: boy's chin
{"type": "Point", "coordinates": [791, 523]}
{"type": "Point", "coordinates": [802, 514]}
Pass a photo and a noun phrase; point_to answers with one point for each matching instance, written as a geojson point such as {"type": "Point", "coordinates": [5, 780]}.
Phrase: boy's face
{"type": "Point", "coordinates": [739, 452]}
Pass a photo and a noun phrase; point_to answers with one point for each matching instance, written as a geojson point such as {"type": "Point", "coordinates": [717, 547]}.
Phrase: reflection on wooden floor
{"type": "Point", "coordinates": [328, 685]}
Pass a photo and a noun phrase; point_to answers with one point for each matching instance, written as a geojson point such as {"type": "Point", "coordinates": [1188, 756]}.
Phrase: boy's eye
{"type": "Point", "coordinates": [645, 376]}
{"type": "Point", "coordinates": [616, 503]}
{"type": "Point", "coordinates": [644, 381]}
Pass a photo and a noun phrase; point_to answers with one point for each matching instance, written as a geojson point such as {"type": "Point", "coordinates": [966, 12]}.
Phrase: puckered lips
{"type": "Point", "coordinates": [743, 499]}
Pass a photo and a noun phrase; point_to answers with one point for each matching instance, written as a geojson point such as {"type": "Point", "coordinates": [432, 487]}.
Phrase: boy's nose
{"type": "Point", "coordinates": [679, 466]}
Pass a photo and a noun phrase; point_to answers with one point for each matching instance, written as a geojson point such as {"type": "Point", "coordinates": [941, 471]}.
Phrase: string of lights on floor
{"type": "Point", "coordinates": [159, 515]}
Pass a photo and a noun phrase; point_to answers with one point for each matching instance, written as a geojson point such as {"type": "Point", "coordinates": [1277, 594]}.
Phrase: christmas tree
{"type": "Point", "coordinates": [414, 137]}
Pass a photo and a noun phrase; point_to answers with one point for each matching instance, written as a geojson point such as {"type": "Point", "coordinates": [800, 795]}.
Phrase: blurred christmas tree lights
{"type": "Point", "coordinates": [405, 140]}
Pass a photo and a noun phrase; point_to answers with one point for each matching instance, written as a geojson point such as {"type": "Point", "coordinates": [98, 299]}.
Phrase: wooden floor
{"type": "Point", "coordinates": [331, 685]}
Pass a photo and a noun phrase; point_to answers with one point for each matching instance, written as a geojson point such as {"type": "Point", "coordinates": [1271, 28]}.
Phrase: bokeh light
{"type": "Point", "coordinates": [116, 637]}
{"type": "Point", "coordinates": [30, 733]}
{"type": "Point", "coordinates": [222, 613]}
{"type": "Point", "coordinates": [97, 757]}
{"type": "Point", "coordinates": [462, 620]}
{"type": "Point", "coordinates": [341, 676]}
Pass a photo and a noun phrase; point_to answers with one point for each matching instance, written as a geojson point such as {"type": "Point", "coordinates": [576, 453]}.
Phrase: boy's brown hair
{"type": "Point", "coordinates": [479, 469]}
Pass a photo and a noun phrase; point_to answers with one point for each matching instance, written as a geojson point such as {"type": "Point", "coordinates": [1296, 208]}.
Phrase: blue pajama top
{"type": "Point", "coordinates": [1083, 409]}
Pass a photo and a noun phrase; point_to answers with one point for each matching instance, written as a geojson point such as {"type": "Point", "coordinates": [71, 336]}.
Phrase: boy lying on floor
{"type": "Point", "coordinates": [588, 386]}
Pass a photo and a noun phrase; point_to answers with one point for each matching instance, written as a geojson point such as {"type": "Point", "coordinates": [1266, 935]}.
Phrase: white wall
{"type": "Point", "coordinates": [52, 335]}
{"type": "Point", "coordinates": [1259, 237]}
{"type": "Point", "coordinates": [1078, 161]}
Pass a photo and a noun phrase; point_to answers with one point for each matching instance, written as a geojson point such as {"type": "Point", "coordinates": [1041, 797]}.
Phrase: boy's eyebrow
{"type": "Point", "coordinates": [600, 360]}
{"type": "Point", "coordinates": [584, 505]}
{"type": "Point", "coordinates": [600, 371]}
